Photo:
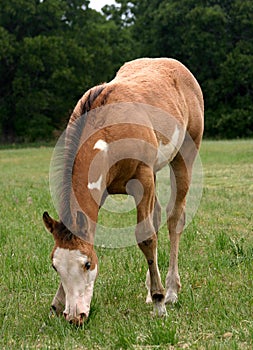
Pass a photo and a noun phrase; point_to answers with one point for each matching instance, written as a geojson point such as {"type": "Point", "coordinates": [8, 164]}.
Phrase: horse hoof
{"type": "Point", "coordinates": [160, 310]}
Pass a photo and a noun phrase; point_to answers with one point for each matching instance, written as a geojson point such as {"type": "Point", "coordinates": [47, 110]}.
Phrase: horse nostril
{"type": "Point", "coordinates": [65, 315]}
{"type": "Point", "coordinates": [82, 316]}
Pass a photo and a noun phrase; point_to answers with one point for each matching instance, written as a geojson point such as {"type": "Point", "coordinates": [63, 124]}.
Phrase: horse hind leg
{"type": "Point", "coordinates": [157, 215]}
{"type": "Point", "coordinates": [180, 173]}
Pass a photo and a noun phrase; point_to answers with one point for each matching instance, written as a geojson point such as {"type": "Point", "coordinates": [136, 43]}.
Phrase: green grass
{"type": "Point", "coordinates": [215, 308]}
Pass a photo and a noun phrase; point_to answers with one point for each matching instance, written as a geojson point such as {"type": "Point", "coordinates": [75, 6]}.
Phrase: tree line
{"type": "Point", "coordinates": [52, 51]}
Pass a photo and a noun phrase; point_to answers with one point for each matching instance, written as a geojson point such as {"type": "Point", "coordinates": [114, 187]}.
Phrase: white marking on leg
{"type": "Point", "coordinates": [172, 286]}
{"type": "Point", "coordinates": [148, 285]}
{"type": "Point", "coordinates": [95, 185]}
{"type": "Point", "coordinates": [160, 309]}
{"type": "Point", "coordinates": [101, 145]}
{"type": "Point", "coordinates": [171, 297]}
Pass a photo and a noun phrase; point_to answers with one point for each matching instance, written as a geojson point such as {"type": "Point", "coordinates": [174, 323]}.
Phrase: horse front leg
{"type": "Point", "coordinates": [157, 292]}
{"type": "Point", "coordinates": [147, 238]}
{"type": "Point", "coordinates": [156, 223]}
{"type": "Point", "coordinates": [58, 303]}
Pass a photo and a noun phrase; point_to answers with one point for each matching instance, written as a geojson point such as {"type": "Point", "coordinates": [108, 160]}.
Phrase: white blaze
{"type": "Point", "coordinates": [77, 282]}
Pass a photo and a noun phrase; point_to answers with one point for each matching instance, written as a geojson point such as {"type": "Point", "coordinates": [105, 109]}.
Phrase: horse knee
{"type": "Point", "coordinates": [148, 246]}
{"type": "Point", "coordinates": [176, 221]}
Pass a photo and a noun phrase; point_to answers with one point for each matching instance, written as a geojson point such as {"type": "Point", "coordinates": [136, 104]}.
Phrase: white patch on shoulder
{"type": "Point", "coordinates": [101, 145]}
{"type": "Point", "coordinates": [95, 185]}
{"type": "Point", "coordinates": [175, 137]}
{"type": "Point", "coordinates": [167, 152]}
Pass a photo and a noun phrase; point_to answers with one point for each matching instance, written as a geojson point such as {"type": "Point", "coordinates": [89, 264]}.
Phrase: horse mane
{"type": "Point", "coordinates": [67, 154]}
{"type": "Point", "coordinates": [93, 94]}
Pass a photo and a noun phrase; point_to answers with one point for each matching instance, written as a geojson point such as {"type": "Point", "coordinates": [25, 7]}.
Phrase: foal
{"type": "Point", "coordinates": [119, 136]}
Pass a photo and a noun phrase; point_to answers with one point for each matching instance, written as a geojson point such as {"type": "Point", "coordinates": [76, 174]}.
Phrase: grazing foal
{"type": "Point", "coordinates": [118, 136]}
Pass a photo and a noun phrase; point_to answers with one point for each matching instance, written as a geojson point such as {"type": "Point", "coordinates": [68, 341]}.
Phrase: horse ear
{"type": "Point", "coordinates": [49, 222]}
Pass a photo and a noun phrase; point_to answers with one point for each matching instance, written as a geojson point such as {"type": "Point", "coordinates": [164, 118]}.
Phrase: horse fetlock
{"type": "Point", "coordinates": [173, 282]}
{"type": "Point", "coordinates": [171, 297]}
{"type": "Point", "coordinates": [173, 287]}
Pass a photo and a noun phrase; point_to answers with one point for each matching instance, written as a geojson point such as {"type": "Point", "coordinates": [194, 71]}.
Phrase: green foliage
{"type": "Point", "coordinates": [47, 70]}
{"type": "Point", "coordinates": [51, 52]}
{"type": "Point", "coordinates": [215, 40]}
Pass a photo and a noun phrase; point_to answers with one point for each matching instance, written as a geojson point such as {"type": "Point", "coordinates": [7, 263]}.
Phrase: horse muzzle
{"type": "Point", "coordinates": [76, 320]}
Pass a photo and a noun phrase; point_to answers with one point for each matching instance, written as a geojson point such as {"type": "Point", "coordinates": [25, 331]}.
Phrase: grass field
{"type": "Point", "coordinates": [215, 308]}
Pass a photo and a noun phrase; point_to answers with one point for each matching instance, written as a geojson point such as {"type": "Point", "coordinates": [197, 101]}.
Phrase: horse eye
{"type": "Point", "coordinates": [87, 265]}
